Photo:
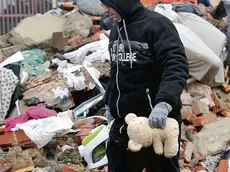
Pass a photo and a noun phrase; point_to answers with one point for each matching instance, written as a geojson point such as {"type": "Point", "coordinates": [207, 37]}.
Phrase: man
{"type": "Point", "coordinates": [148, 72]}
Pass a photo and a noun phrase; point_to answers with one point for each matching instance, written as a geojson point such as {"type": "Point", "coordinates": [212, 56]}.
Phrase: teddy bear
{"type": "Point", "coordinates": [165, 141]}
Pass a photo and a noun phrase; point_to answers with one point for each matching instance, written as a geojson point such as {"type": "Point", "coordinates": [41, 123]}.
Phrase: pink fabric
{"type": "Point", "coordinates": [35, 112]}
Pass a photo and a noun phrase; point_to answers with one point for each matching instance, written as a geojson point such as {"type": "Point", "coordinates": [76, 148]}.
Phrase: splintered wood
{"type": "Point", "coordinates": [226, 86]}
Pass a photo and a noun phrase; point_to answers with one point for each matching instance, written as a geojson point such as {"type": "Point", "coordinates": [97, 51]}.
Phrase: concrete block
{"type": "Point", "coordinates": [197, 89]}
{"type": "Point", "coordinates": [198, 122]}
{"type": "Point", "coordinates": [199, 108]}
{"type": "Point", "coordinates": [212, 138]}
{"type": "Point", "coordinates": [188, 116]}
{"type": "Point", "coordinates": [186, 99]}
{"type": "Point", "coordinates": [210, 117]}
{"type": "Point", "coordinates": [186, 109]}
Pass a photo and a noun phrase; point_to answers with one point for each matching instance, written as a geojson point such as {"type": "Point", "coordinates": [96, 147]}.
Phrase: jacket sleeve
{"type": "Point", "coordinates": [169, 52]}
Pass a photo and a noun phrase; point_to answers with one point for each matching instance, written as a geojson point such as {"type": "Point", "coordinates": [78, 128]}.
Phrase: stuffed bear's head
{"type": "Point", "coordinates": [131, 117]}
{"type": "Point", "coordinates": [139, 130]}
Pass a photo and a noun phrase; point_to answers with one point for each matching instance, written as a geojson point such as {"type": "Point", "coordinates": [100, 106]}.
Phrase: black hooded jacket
{"type": "Point", "coordinates": [148, 62]}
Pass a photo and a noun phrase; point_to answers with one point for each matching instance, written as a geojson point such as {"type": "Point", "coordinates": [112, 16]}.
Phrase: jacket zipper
{"type": "Point", "coordinates": [149, 98]}
{"type": "Point", "coordinates": [117, 78]}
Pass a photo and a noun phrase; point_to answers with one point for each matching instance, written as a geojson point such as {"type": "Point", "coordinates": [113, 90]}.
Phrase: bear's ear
{"type": "Point", "coordinates": [130, 117]}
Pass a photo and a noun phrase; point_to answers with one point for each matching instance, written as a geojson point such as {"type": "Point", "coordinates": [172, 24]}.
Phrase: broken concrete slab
{"type": "Point", "coordinates": [36, 30]}
{"type": "Point", "coordinates": [77, 24]}
{"type": "Point", "coordinates": [44, 93]}
{"type": "Point", "coordinates": [39, 29]}
{"type": "Point", "coordinates": [213, 137]}
{"type": "Point", "coordinates": [4, 41]}
{"type": "Point", "coordinates": [8, 52]}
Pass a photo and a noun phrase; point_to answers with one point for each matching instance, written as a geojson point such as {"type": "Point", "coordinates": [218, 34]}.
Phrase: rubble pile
{"type": "Point", "coordinates": [205, 133]}
{"type": "Point", "coordinates": [56, 67]}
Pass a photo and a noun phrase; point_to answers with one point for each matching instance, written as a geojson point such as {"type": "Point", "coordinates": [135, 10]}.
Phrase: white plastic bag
{"type": "Point", "coordinates": [166, 10]}
{"type": "Point", "coordinates": [204, 64]}
{"type": "Point", "coordinates": [41, 131]}
{"type": "Point", "coordinates": [99, 51]}
{"type": "Point", "coordinates": [60, 92]}
{"type": "Point", "coordinates": [208, 33]}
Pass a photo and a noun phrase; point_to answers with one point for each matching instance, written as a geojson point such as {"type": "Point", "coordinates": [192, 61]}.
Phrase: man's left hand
{"type": "Point", "coordinates": [158, 116]}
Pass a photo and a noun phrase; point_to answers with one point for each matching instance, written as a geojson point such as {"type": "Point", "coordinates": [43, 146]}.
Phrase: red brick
{"type": "Point", "coordinates": [225, 112]}
{"type": "Point", "coordinates": [200, 168]}
{"type": "Point", "coordinates": [22, 138]}
{"type": "Point", "coordinates": [198, 122]}
{"type": "Point", "coordinates": [216, 101]}
{"type": "Point", "coordinates": [76, 40]}
{"type": "Point", "coordinates": [86, 128]}
{"type": "Point", "coordinates": [96, 36]}
{"type": "Point", "coordinates": [199, 108]}
{"type": "Point", "coordinates": [13, 138]}
{"type": "Point", "coordinates": [95, 29]}
{"type": "Point", "coordinates": [1, 162]}
{"type": "Point", "coordinates": [223, 166]}
{"type": "Point", "coordinates": [70, 169]}
{"type": "Point", "coordinates": [2, 129]}
{"type": "Point", "coordinates": [209, 118]}
{"type": "Point", "coordinates": [188, 116]}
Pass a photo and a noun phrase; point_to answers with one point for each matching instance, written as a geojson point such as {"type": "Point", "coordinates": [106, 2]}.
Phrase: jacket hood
{"type": "Point", "coordinates": [125, 8]}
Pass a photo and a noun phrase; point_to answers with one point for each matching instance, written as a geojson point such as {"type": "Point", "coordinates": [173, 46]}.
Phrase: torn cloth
{"type": "Point", "coordinates": [35, 112]}
{"type": "Point", "coordinates": [91, 52]}
{"type": "Point", "coordinates": [8, 83]}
